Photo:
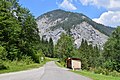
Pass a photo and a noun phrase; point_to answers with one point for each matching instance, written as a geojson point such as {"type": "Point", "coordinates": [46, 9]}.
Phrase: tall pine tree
{"type": "Point", "coordinates": [112, 51]}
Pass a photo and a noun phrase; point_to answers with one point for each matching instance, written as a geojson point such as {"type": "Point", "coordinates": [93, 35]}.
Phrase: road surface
{"type": "Point", "coordinates": [48, 72]}
{"type": "Point", "coordinates": [34, 74]}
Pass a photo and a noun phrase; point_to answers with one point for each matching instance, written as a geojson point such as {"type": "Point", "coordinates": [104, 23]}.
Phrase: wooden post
{"type": "Point", "coordinates": [73, 68]}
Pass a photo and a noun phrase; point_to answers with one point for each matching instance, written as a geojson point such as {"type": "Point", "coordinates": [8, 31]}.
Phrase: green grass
{"type": "Point", "coordinates": [19, 66]}
{"type": "Point", "coordinates": [58, 64]}
{"type": "Point", "coordinates": [96, 76]}
{"type": "Point", "coordinates": [92, 75]}
{"type": "Point", "coordinates": [51, 59]}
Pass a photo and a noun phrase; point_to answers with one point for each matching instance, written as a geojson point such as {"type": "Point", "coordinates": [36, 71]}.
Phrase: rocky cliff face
{"type": "Point", "coordinates": [53, 23]}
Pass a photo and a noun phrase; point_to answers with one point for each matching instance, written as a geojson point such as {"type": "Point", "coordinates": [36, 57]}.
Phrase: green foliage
{"type": "Point", "coordinates": [114, 73]}
{"type": "Point", "coordinates": [48, 47]}
{"type": "Point", "coordinates": [9, 27]}
{"type": "Point", "coordinates": [3, 53]}
{"type": "Point", "coordinates": [112, 51]}
{"type": "Point", "coordinates": [89, 55]}
{"type": "Point", "coordinates": [64, 47]}
{"type": "Point", "coordinates": [26, 60]}
{"type": "Point", "coordinates": [95, 76]}
{"type": "Point", "coordinates": [19, 34]}
{"type": "Point", "coordinates": [2, 66]}
{"type": "Point", "coordinates": [24, 64]}
{"type": "Point", "coordinates": [106, 62]}
{"type": "Point", "coordinates": [45, 47]}
{"type": "Point", "coordinates": [100, 70]}
{"type": "Point", "coordinates": [51, 48]}
{"type": "Point", "coordinates": [39, 56]}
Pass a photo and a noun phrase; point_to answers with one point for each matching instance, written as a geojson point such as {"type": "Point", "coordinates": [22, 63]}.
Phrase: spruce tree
{"type": "Point", "coordinates": [112, 51]}
{"type": "Point", "coordinates": [51, 47]}
{"type": "Point", "coordinates": [9, 30]}
{"type": "Point", "coordinates": [64, 47]}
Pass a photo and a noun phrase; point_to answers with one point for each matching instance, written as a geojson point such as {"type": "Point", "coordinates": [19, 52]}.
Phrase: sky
{"type": "Point", "coordinates": [106, 12]}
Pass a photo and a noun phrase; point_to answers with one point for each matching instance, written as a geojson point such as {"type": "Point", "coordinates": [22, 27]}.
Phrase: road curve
{"type": "Point", "coordinates": [53, 72]}
{"type": "Point", "coordinates": [49, 72]}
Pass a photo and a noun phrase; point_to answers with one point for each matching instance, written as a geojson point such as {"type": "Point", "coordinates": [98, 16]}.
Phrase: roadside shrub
{"type": "Point", "coordinates": [39, 57]}
{"type": "Point", "coordinates": [100, 70]}
{"type": "Point", "coordinates": [105, 71]}
{"type": "Point", "coordinates": [63, 63]}
{"type": "Point", "coordinates": [3, 53]}
{"type": "Point", "coordinates": [114, 73]}
{"type": "Point", "coordinates": [92, 69]}
{"type": "Point", "coordinates": [2, 66]}
{"type": "Point", "coordinates": [111, 65]}
{"type": "Point", "coordinates": [26, 60]}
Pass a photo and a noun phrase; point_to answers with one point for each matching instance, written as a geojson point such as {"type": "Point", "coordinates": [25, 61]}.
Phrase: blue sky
{"type": "Point", "coordinates": [106, 12]}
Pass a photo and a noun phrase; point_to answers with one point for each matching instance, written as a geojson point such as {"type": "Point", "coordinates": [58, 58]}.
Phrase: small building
{"type": "Point", "coordinates": [74, 63]}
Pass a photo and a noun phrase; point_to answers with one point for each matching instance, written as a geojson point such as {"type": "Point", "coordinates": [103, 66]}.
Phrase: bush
{"type": "Point", "coordinates": [63, 63]}
{"type": "Point", "coordinates": [100, 70]}
{"type": "Point", "coordinates": [104, 71]}
{"type": "Point", "coordinates": [3, 53]}
{"type": "Point", "coordinates": [39, 57]}
{"type": "Point", "coordinates": [114, 73]}
{"type": "Point", "coordinates": [2, 66]}
{"type": "Point", "coordinates": [27, 60]}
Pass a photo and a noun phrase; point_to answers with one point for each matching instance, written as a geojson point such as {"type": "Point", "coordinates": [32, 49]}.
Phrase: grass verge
{"type": "Point", "coordinates": [20, 66]}
{"type": "Point", "coordinates": [92, 75]}
{"type": "Point", "coordinates": [51, 59]}
{"type": "Point", "coordinates": [96, 76]}
{"type": "Point", "coordinates": [58, 64]}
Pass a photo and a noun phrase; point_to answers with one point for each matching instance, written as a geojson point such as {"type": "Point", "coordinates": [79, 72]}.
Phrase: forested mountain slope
{"type": "Point", "coordinates": [79, 26]}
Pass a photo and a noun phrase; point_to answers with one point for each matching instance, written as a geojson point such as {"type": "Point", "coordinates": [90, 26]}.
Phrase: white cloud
{"type": "Point", "coordinates": [110, 18]}
{"type": "Point", "coordinates": [108, 4]}
{"type": "Point", "coordinates": [67, 4]}
{"type": "Point", "coordinates": [85, 2]}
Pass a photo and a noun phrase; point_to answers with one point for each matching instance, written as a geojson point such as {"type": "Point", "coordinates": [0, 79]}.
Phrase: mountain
{"type": "Point", "coordinates": [53, 23]}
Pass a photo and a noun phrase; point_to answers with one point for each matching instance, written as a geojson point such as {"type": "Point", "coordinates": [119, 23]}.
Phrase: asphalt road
{"type": "Point", "coordinates": [34, 74]}
{"type": "Point", "coordinates": [53, 72]}
{"type": "Point", "coordinates": [49, 72]}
